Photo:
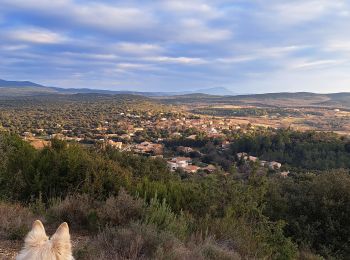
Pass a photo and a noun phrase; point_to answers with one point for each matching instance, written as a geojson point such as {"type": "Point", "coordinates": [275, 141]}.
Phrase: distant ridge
{"type": "Point", "coordinates": [25, 88]}
{"type": "Point", "coordinates": [216, 95]}
{"type": "Point", "coordinates": [18, 84]}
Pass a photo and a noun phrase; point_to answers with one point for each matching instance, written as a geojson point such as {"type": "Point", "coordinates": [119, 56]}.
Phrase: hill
{"type": "Point", "coordinates": [283, 99]}
{"type": "Point", "coordinates": [27, 88]}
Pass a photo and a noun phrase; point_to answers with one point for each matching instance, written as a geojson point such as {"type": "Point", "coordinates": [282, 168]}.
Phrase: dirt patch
{"type": "Point", "coordinates": [9, 249]}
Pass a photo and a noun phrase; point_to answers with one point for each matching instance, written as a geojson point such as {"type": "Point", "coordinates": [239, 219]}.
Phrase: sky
{"type": "Point", "coordinates": [255, 46]}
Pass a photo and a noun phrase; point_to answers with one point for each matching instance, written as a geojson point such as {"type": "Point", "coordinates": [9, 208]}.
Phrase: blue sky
{"type": "Point", "coordinates": [176, 45]}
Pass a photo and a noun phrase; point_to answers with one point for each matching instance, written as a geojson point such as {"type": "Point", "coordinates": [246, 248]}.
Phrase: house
{"type": "Point", "coordinates": [263, 163]}
{"type": "Point", "coordinates": [184, 149]}
{"type": "Point", "coordinates": [149, 148]}
{"type": "Point", "coordinates": [192, 137]}
{"type": "Point", "coordinates": [212, 131]}
{"type": "Point", "coordinates": [243, 156]}
{"type": "Point", "coordinates": [275, 165]}
{"type": "Point", "coordinates": [179, 162]}
{"type": "Point", "coordinates": [116, 145]}
{"type": "Point", "coordinates": [209, 169]}
{"type": "Point", "coordinates": [191, 169]}
{"type": "Point", "coordinates": [225, 144]}
{"type": "Point", "coordinates": [172, 165]}
{"type": "Point", "coordinates": [284, 174]}
{"type": "Point", "coordinates": [253, 159]}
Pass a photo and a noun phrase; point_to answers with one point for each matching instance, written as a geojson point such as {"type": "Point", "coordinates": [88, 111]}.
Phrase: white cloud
{"type": "Point", "coordinates": [196, 31]}
{"type": "Point", "coordinates": [15, 47]}
{"type": "Point", "coordinates": [193, 8]}
{"type": "Point", "coordinates": [300, 11]}
{"type": "Point", "coordinates": [256, 53]}
{"type": "Point", "coordinates": [35, 35]}
{"type": "Point", "coordinates": [342, 46]}
{"type": "Point", "coordinates": [176, 60]}
{"type": "Point", "coordinates": [128, 66]}
{"type": "Point", "coordinates": [92, 56]}
{"type": "Point", "coordinates": [237, 59]}
{"type": "Point", "coordinates": [313, 64]}
{"type": "Point", "coordinates": [111, 17]}
{"type": "Point", "coordinates": [138, 48]}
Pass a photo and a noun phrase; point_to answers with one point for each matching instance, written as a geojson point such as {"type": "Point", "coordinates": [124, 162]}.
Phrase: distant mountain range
{"type": "Point", "coordinates": [27, 88]}
{"type": "Point", "coordinates": [10, 89]}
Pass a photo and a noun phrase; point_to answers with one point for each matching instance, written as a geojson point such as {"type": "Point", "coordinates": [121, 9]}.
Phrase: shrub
{"type": "Point", "coordinates": [77, 210]}
{"type": "Point", "coordinates": [121, 209]}
{"type": "Point", "coordinates": [136, 241]}
{"type": "Point", "coordinates": [160, 214]}
{"type": "Point", "coordinates": [141, 241]}
{"type": "Point", "coordinates": [15, 221]}
{"type": "Point", "coordinates": [210, 249]}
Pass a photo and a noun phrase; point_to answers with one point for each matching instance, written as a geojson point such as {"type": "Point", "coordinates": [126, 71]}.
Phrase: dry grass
{"type": "Point", "coordinates": [15, 221]}
{"type": "Point", "coordinates": [120, 209]}
{"type": "Point", "coordinates": [76, 210]}
{"type": "Point", "coordinates": [141, 241]}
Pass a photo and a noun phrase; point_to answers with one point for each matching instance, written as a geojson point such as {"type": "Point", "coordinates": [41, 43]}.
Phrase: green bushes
{"type": "Point", "coordinates": [302, 150]}
{"type": "Point", "coordinates": [108, 195]}
{"type": "Point", "coordinates": [316, 209]}
{"type": "Point", "coordinates": [160, 214]}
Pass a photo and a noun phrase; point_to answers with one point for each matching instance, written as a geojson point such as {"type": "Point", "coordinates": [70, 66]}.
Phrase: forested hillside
{"type": "Point", "coordinates": [303, 150]}
{"type": "Point", "coordinates": [132, 206]}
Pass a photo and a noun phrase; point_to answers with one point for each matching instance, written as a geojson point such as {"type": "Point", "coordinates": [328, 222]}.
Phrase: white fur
{"type": "Point", "coordinates": [38, 246]}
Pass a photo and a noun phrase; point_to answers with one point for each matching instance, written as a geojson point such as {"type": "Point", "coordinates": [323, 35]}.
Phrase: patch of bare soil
{"type": "Point", "coordinates": [9, 249]}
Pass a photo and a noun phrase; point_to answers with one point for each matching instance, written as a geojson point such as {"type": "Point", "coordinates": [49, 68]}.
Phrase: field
{"type": "Point", "coordinates": [300, 111]}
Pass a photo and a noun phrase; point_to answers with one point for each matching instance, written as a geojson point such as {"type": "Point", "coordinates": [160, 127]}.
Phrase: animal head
{"type": "Point", "coordinates": [38, 246]}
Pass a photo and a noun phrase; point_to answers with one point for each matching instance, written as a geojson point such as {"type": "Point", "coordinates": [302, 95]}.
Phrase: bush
{"type": "Point", "coordinates": [136, 241]}
{"type": "Point", "coordinates": [15, 221]}
{"type": "Point", "coordinates": [121, 209]}
{"type": "Point", "coordinates": [210, 249]}
{"type": "Point", "coordinates": [160, 214]}
{"type": "Point", "coordinates": [77, 210]}
{"type": "Point", "coordinates": [141, 241]}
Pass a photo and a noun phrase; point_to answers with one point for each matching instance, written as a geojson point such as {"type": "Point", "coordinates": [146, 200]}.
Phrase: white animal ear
{"type": "Point", "coordinates": [62, 233]}
{"type": "Point", "coordinates": [37, 235]}
{"type": "Point", "coordinates": [61, 242]}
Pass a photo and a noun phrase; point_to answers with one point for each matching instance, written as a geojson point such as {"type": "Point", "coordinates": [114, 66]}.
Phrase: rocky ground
{"type": "Point", "coordinates": [9, 249]}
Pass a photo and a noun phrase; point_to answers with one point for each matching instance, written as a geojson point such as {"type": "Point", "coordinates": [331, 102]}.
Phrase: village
{"type": "Point", "coordinates": [148, 135]}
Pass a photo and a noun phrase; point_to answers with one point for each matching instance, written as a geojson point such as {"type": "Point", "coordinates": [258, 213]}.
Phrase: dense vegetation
{"type": "Point", "coordinates": [244, 112]}
{"type": "Point", "coordinates": [152, 213]}
{"type": "Point", "coordinates": [303, 150]}
{"type": "Point", "coordinates": [78, 115]}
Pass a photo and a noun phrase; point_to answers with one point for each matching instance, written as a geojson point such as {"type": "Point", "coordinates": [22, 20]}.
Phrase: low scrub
{"type": "Point", "coordinates": [142, 241]}
{"type": "Point", "coordinates": [121, 209]}
{"type": "Point", "coordinates": [77, 210]}
{"type": "Point", "coordinates": [83, 212]}
{"type": "Point", "coordinates": [15, 221]}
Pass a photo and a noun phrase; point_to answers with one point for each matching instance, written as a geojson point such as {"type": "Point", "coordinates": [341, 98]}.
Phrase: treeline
{"type": "Point", "coordinates": [303, 150]}
{"type": "Point", "coordinates": [253, 218]}
{"type": "Point", "coordinates": [244, 112]}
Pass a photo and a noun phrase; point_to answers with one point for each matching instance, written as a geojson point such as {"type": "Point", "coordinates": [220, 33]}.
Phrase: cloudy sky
{"type": "Point", "coordinates": [174, 45]}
